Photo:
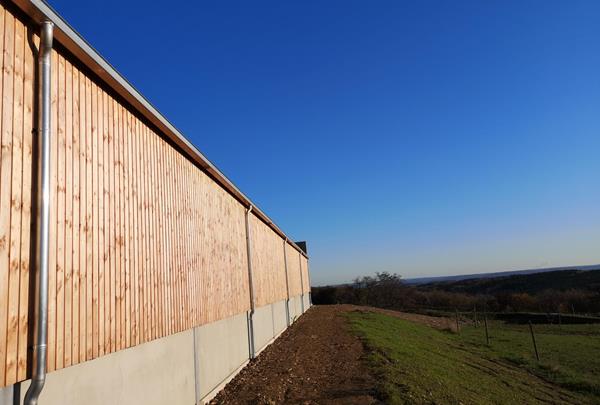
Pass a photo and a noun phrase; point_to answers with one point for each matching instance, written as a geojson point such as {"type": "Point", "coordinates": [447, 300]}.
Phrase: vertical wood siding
{"type": "Point", "coordinates": [268, 263]}
{"type": "Point", "coordinates": [305, 274]}
{"type": "Point", "coordinates": [293, 268]}
{"type": "Point", "coordinates": [143, 244]}
{"type": "Point", "coordinates": [16, 111]}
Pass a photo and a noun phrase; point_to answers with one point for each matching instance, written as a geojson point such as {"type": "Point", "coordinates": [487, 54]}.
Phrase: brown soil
{"type": "Point", "coordinates": [315, 361]}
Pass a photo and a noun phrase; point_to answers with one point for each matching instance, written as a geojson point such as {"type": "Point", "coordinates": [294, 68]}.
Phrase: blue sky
{"type": "Point", "coordinates": [423, 138]}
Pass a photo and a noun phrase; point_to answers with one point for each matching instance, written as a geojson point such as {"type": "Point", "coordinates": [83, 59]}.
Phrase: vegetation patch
{"type": "Point", "coordinates": [417, 364]}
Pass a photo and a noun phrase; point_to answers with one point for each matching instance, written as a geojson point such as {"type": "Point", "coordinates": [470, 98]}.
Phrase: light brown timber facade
{"type": "Point", "coordinates": [147, 237]}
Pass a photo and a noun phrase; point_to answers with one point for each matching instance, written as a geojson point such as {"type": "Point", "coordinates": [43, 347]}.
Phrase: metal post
{"type": "Point", "coordinates": [537, 356]}
{"type": "Point", "coordinates": [251, 285]}
{"type": "Point", "coordinates": [487, 335]}
{"type": "Point", "coordinates": [457, 325]}
{"type": "Point", "coordinates": [38, 377]}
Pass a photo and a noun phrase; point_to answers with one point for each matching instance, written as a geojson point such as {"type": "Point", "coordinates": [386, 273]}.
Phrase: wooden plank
{"type": "Point", "coordinates": [126, 208]}
{"type": "Point", "coordinates": [28, 94]}
{"type": "Point", "coordinates": [146, 232]}
{"type": "Point", "coordinates": [104, 236]}
{"type": "Point", "coordinates": [186, 220]}
{"type": "Point", "coordinates": [193, 220]}
{"type": "Point", "coordinates": [139, 268]}
{"type": "Point", "coordinates": [60, 233]}
{"type": "Point", "coordinates": [131, 235]}
{"type": "Point", "coordinates": [5, 76]}
{"type": "Point", "coordinates": [91, 307]}
{"type": "Point", "coordinates": [175, 247]}
{"type": "Point", "coordinates": [137, 232]}
{"type": "Point", "coordinates": [77, 336]}
{"type": "Point", "coordinates": [148, 270]}
{"type": "Point", "coordinates": [157, 251]}
{"type": "Point", "coordinates": [113, 215]}
{"type": "Point", "coordinates": [165, 218]}
{"type": "Point", "coordinates": [151, 245]}
{"type": "Point", "coordinates": [124, 269]}
{"type": "Point", "coordinates": [102, 214]}
{"type": "Point", "coordinates": [172, 239]}
{"type": "Point", "coordinates": [181, 242]}
{"type": "Point", "coordinates": [68, 283]}
{"type": "Point", "coordinates": [14, 207]}
{"type": "Point", "coordinates": [159, 236]}
{"type": "Point", "coordinates": [153, 237]}
{"type": "Point", "coordinates": [94, 216]}
{"type": "Point", "coordinates": [82, 219]}
{"type": "Point", "coordinates": [118, 238]}
{"type": "Point", "coordinates": [111, 263]}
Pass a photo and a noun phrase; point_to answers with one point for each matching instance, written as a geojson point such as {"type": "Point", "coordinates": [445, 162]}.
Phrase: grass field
{"type": "Point", "coordinates": [419, 364]}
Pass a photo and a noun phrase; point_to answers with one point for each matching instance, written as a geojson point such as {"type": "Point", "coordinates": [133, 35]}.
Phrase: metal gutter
{"type": "Point", "coordinates": [64, 34]}
{"type": "Point", "coordinates": [38, 377]}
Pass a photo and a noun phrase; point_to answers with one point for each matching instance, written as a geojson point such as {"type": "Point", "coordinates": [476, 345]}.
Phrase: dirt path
{"type": "Point", "coordinates": [316, 361]}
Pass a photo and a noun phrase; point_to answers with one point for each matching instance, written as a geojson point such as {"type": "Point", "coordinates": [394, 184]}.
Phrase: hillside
{"type": "Point", "coordinates": [459, 277]}
{"type": "Point", "coordinates": [561, 280]}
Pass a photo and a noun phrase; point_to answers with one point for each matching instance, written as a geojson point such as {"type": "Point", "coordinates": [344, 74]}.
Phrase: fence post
{"type": "Point", "coordinates": [457, 325]}
{"type": "Point", "coordinates": [487, 335]}
{"type": "Point", "coordinates": [537, 356]}
{"type": "Point", "coordinates": [475, 317]}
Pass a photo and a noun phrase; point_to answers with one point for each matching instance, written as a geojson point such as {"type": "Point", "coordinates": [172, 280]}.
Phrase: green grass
{"type": "Point", "coordinates": [420, 365]}
{"type": "Point", "coordinates": [569, 354]}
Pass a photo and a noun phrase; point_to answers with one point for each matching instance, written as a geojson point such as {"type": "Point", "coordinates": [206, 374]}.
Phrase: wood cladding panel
{"type": "Point", "coordinates": [305, 274]}
{"type": "Point", "coordinates": [268, 263]}
{"type": "Point", "coordinates": [143, 244]}
{"type": "Point", "coordinates": [141, 234]}
{"type": "Point", "coordinates": [16, 148]}
{"type": "Point", "coordinates": [293, 268]}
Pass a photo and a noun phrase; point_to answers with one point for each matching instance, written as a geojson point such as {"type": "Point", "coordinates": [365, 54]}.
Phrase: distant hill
{"type": "Point", "coordinates": [560, 280]}
{"type": "Point", "coordinates": [427, 280]}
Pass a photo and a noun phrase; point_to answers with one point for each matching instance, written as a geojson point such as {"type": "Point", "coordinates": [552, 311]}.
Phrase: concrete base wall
{"type": "Point", "coordinates": [263, 327]}
{"type": "Point", "coordinates": [296, 308]}
{"type": "Point", "coordinates": [158, 372]}
{"type": "Point", "coordinates": [306, 300]}
{"type": "Point", "coordinates": [185, 368]}
{"type": "Point", "coordinates": [279, 317]}
{"type": "Point", "coordinates": [269, 322]}
{"type": "Point", "coordinates": [221, 347]}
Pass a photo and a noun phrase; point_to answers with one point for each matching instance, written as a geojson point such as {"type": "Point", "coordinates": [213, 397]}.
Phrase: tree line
{"type": "Point", "coordinates": [385, 290]}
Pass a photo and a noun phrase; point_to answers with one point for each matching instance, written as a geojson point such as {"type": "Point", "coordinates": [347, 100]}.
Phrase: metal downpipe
{"type": "Point", "coordinates": [287, 283]}
{"type": "Point", "coordinates": [38, 377]}
{"type": "Point", "coordinates": [251, 285]}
